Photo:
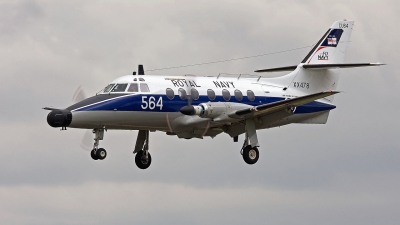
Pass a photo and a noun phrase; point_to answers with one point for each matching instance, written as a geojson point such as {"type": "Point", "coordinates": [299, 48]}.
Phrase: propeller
{"type": "Point", "coordinates": [87, 139]}
{"type": "Point", "coordinates": [79, 95]}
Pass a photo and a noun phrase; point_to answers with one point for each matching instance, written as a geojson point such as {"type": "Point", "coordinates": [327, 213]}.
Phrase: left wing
{"type": "Point", "coordinates": [265, 109]}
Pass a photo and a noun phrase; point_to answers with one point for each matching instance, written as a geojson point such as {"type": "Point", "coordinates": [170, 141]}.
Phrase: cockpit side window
{"type": "Point", "coordinates": [133, 87]}
{"type": "Point", "coordinates": [144, 87]}
{"type": "Point", "coordinates": [108, 88]}
{"type": "Point", "coordinates": [119, 88]}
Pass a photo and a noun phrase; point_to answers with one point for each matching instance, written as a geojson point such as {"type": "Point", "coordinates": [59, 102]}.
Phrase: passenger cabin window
{"type": "Point", "coordinates": [144, 87]}
{"type": "Point", "coordinates": [211, 94]}
{"type": "Point", "coordinates": [238, 95]}
{"type": "Point", "coordinates": [119, 88]}
{"type": "Point", "coordinates": [134, 79]}
{"type": "Point", "coordinates": [133, 87]}
{"type": "Point", "coordinates": [141, 79]}
{"type": "Point", "coordinates": [108, 88]}
{"type": "Point", "coordinates": [226, 95]}
{"type": "Point", "coordinates": [182, 93]}
{"type": "Point", "coordinates": [170, 93]}
{"type": "Point", "coordinates": [194, 93]}
{"type": "Point", "coordinates": [250, 95]}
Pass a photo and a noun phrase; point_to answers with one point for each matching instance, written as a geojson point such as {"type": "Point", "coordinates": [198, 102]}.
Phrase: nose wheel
{"type": "Point", "coordinates": [98, 154]}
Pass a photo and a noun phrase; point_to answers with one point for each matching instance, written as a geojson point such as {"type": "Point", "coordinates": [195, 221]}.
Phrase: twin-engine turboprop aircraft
{"type": "Point", "coordinates": [195, 107]}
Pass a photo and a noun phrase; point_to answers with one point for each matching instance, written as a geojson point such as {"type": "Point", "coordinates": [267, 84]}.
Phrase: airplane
{"type": "Point", "coordinates": [191, 106]}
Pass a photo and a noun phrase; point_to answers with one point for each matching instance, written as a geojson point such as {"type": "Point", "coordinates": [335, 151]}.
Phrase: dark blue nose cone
{"type": "Point", "coordinates": [59, 118]}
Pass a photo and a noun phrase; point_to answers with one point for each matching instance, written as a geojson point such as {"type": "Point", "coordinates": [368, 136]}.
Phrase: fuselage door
{"type": "Point", "coordinates": [266, 88]}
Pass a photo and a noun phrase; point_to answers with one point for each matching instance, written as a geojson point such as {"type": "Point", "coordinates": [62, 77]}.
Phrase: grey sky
{"type": "Point", "coordinates": [344, 172]}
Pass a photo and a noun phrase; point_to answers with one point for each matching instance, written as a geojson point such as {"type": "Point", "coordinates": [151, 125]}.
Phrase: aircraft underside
{"type": "Point", "coordinates": [180, 125]}
{"type": "Point", "coordinates": [184, 127]}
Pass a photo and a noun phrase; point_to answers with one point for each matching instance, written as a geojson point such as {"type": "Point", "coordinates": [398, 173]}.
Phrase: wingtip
{"type": "Point", "coordinates": [379, 64]}
{"type": "Point", "coordinates": [332, 92]}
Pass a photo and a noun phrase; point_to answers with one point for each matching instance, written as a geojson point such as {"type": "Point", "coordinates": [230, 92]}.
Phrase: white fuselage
{"type": "Point", "coordinates": [147, 105]}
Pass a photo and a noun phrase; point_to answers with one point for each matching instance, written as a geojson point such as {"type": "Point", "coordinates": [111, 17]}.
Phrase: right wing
{"type": "Point", "coordinates": [269, 108]}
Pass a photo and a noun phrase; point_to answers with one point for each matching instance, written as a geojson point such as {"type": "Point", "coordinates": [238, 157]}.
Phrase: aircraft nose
{"type": "Point", "coordinates": [59, 118]}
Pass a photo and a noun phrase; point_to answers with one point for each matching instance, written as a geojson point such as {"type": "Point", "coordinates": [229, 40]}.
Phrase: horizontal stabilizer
{"type": "Point", "coordinates": [319, 66]}
{"type": "Point", "coordinates": [284, 104]}
{"type": "Point", "coordinates": [49, 108]}
{"type": "Point", "coordinates": [277, 69]}
{"type": "Point", "coordinates": [337, 66]}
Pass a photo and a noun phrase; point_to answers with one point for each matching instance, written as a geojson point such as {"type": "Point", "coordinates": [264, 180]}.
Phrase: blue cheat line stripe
{"type": "Point", "coordinates": [134, 103]}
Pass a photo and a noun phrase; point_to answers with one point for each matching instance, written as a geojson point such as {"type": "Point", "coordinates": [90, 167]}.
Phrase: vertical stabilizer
{"type": "Point", "coordinates": [332, 47]}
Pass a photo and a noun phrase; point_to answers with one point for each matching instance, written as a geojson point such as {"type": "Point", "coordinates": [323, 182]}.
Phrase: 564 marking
{"type": "Point", "coordinates": [151, 103]}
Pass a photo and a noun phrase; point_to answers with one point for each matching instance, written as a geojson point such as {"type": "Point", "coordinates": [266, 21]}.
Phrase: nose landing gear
{"type": "Point", "coordinates": [98, 153]}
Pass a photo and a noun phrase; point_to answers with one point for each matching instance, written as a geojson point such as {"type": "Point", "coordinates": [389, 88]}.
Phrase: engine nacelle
{"type": "Point", "coordinates": [218, 111]}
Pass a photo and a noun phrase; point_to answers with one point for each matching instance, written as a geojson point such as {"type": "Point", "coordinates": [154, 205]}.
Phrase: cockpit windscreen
{"type": "Point", "coordinates": [119, 88]}
{"type": "Point", "coordinates": [108, 88]}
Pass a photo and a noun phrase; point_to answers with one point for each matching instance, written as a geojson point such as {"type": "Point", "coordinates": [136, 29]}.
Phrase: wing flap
{"type": "Point", "coordinates": [281, 105]}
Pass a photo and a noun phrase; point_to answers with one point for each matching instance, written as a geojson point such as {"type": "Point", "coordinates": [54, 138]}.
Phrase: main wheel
{"type": "Point", "coordinates": [101, 153]}
{"type": "Point", "coordinates": [93, 155]}
{"type": "Point", "coordinates": [250, 155]}
{"type": "Point", "coordinates": [142, 161]}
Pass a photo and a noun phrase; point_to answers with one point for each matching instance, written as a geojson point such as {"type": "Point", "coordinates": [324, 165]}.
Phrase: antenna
{"type": "Point", "coordinates": [141, 70]}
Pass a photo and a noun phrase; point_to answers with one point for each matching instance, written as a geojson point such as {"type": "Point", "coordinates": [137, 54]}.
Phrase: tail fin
{"type": "Point", "coordinates": [332, 47]}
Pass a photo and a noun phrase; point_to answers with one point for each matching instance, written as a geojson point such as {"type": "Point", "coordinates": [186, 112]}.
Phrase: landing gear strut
{"type": "Point", "coordinates": [249, 150]}
{"type": "Point", "coordinates": [98, 153]}
{"type": "Point", "coordinates": [143, 157]}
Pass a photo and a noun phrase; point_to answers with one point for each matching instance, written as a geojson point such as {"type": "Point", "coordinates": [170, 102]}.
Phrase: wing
{"type": "Point", "coordinates": [266, 109]}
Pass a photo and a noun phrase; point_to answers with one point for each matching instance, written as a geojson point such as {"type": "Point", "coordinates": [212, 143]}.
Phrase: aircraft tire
{"type": "Point", "coordinates": [142, 163]}
{"type": "Point", "coordinates": [101, 153]}
{"type": "Point", "coordinates": [250, 155]}
{"type": "Point", "coordinates": [93, 155]}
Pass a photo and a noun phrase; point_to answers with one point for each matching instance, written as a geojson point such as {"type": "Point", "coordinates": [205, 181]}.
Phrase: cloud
{"type": "Point", "coordinates": [154, 203]}
{"type": "Point", "coordinates": [343, 172]}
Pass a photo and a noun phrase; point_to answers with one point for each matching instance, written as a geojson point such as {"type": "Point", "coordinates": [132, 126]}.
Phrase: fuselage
{"type": "Point", "coordinates": [153, 102]}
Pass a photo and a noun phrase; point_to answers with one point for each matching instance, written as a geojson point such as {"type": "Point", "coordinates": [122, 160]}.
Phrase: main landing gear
{"type": "Point", "coordinates": [98, 153]}
{"type": "Point", "coordinates": [143, 157]}
{"type": "Point", "coordinates": [249, 150]}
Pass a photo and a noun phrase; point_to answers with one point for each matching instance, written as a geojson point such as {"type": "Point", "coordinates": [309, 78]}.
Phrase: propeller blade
{"type": "Point", "coordinates": [189, 98]}
{"type": "Point", "coordinates": [79, 95]}
{"type": "Point", "coordinates": [87, 140]}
